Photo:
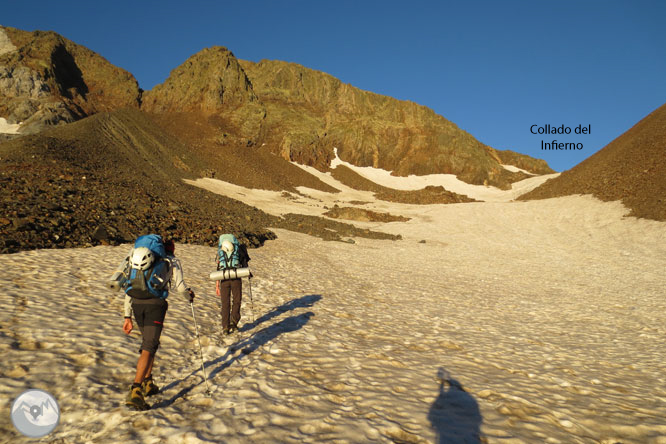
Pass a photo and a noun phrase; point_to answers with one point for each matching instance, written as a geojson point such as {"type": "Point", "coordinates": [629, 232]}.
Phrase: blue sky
{"type": "Point", "coordinates": [494, 68]}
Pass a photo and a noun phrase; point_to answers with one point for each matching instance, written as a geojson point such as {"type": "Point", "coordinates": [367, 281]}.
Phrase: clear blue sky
{"type": "Point", "coordinates": [494, 68]}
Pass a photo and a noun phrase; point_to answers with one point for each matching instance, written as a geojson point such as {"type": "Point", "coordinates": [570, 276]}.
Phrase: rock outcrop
{"type": "Point", "coordinates": [46, 80]}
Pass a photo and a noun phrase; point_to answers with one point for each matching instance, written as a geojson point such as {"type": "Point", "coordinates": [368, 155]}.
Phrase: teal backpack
{"type": "Point", "coordinates": [224, 259]}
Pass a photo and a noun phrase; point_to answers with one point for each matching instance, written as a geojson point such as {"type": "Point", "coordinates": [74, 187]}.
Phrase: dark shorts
{"type": "Point", "coordinates": [149, 315]}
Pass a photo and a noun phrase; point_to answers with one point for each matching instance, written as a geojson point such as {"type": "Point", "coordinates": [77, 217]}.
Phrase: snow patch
{"type": "Point", "coordinates": [8, 128]}
{"type": "Point", "coordinates": [515, 169]}
{"type": "Point", "coordinates": [449, 181]}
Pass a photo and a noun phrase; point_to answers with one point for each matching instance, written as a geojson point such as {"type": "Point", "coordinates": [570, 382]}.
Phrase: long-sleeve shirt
{"type": "Point", "coordinates": [176, 283]}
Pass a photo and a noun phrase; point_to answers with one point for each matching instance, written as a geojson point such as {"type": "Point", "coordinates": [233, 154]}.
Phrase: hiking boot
{"type": "Point", "coordinates": [149, 388]}
{"type": "Point", "coordinates": [135, 399]}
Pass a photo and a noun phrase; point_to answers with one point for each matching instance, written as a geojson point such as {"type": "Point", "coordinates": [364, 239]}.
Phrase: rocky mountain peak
{"type": "Point", "coordinates": [46, 79]}
{"type": "Point", "coordinates": [208, 81]}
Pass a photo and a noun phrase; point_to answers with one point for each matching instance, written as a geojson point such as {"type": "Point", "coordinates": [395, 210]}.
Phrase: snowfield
{"type": "Point", "coordinates": [514, 322]}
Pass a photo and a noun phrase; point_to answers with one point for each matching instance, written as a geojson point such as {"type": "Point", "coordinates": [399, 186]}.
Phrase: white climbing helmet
{"type": "Point", "coordinates": [227, 247]}
{"type": "Point", "coordinates": [142, 258]}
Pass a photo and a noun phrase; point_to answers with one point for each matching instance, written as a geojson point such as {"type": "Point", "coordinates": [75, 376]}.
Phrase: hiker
{"type": "Point", "coordinates": [153, 268]}
{"type": "Point", "coordinates": [230, 255]}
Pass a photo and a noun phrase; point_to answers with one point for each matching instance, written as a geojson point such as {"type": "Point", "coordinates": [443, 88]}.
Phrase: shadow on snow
{"type": "Point", "coordinates": [455, 414]}
{"type": "Point", "coordinates": [302, 302]}
{"type": "Point", "coordinates": [258, 339]}
{"type": "Point", "coordinates": [249, 344]}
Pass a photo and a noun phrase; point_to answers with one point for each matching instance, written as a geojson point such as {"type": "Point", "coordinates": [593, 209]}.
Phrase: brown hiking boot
{"type": "Point", "coordinates": [149, 388]}
{"type": "Point", "coordinates": [135, 399]}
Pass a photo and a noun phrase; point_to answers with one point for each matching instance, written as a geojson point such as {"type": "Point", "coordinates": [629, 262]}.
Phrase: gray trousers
{"type": "Point", "coordinates": [230, 312]}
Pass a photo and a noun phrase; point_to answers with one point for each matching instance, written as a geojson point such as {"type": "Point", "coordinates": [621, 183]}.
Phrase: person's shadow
{"type": "Point", "coordinates": [249, 344]}
{"type": "Point", "coordinates": [455, 414]}
{"type": "Point", "coordinates": [258, 339]}
{"type": "Point", "coordinates": [302, 302]}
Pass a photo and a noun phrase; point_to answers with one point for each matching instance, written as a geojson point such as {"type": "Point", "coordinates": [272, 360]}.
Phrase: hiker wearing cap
{"type": "Point", "coordinates": [231, 255]}
{"type": "Point", "coordinates": [153, 268]}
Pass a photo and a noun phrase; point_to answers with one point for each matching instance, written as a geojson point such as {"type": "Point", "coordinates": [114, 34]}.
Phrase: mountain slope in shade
{"type": "Point", "coordinates": [631, 168]}
{"type": "Point", "coordinates": [227, 159]}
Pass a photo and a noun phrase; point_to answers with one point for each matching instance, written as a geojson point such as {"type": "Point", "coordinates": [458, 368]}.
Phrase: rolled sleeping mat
{"type": "Point", "coordinates": [118, 277]}
{"type": "Point", "coordinates": [229, 273]}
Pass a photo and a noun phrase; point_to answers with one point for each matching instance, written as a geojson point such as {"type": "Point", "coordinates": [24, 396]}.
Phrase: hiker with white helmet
{"type": "Point", "coordinates": [231, 255]}
{"type": "Point", "coordinates": [151, 267]}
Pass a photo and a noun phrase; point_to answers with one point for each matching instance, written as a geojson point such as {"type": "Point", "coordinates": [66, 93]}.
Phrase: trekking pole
{"type": "Point", "coordinates": [249, 281]}
{"type": "Point", "coordinates": [196, 328]}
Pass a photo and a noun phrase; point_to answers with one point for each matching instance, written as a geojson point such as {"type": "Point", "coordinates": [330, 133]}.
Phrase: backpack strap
{"type": "Point", "coordinates": [170, 265]}
{"type": "Point", "coordinates": [228, 262]}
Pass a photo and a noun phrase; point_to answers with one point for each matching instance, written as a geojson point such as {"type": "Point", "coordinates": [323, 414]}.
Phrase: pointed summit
{"type": "Point", "coordinates": [210, 82]}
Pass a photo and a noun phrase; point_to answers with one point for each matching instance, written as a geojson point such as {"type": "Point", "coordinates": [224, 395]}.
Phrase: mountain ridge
{"type": "Point", "coordinates": [367, 128]}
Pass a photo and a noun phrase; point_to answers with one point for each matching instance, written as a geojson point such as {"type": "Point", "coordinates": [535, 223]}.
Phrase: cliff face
{"type": "Point", "coordinates": [631, 168]}
{"type": "Point", "coordinates": [46, 79]}
{"type": "Point", "coordinates": [310, 112]}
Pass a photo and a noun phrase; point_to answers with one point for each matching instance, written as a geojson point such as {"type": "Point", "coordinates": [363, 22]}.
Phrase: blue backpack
{"type": "Point", "coordinates": [150, 283]}
{"type": "Point", "coordinates": [224, 260]}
